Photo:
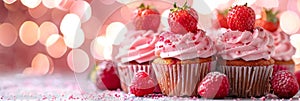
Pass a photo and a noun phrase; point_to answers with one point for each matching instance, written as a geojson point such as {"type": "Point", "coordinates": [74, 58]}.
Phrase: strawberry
{"type": "Point", "coordinates": [146, 18]}
{"type": "Point", "coordinates": [241, 18]}
{"type": "Point", "coordinates": [222, 18]}
{"type": "Point", "coordinates": [107, 76]}
{"type": "Point", "coordinates": [284, 84]}
{"type": "Point", "coordinates": [269, 20]}
{"type": "Point", "coordinates": [214, 85]}
{"type": "Point", "coordinates": [183, 19]}
{"type": "Point", "coordinates": [142, 84]}
{"type": "Point", "coordinates": [297, 74]}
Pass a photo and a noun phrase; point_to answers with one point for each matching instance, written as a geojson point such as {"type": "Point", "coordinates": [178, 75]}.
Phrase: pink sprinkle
{"type": "Point", "coordinates": [263, 98]}
{"type": "Point", "coordinates": [116, 95]}
{"type": "Point", "coordinates": [193, 38]}
{"type": "Point", "coordinates": [71, 97]}
{"type": "Point", "coordinates": [44, 98]}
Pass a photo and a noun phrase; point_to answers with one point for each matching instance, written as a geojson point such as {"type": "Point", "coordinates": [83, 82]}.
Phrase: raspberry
{"type": "Point", "coordinates": [284, 84]}
{"type": "Point", "coordinates": [214, 85]}
{"type": "Point", "coordinates": [142, 84]}
{"type": "Point", "coordinates": [107, 76]}
{"type": "Point", "coordinates": [297, 74]}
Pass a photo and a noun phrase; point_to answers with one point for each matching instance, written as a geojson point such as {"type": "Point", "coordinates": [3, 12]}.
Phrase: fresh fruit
{"type": "Point", "coordinates": [107, 77]}
{"type": "Point", "coordinates": [214, 85]}
{"type": "Point", "coordinates": [241, 18]}
{"type": "Point", "coordinates": [297, 74]}
{"type": "Point", "coordinates": [277, 68]}
{"type": "Point", "coordinates": [142, 84]}
{"type": "Point", "coordinates": [284, 84]}
{"type": "Point", "coordinates": [146, 18]}
{"type": "Point", "coordinates": [268, 20]}
{"type": "Point", "coordinates": [183, 19]}
{"type": "Point", "coordinates": [222, 18]}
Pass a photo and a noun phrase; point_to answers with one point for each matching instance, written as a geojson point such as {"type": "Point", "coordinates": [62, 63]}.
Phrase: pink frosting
{"type": "Point", "coordinates": [138, 46]}
{"type": "Point", "coordinates": [184, 46]}
{"type": "Point", "coordinates": [283, 48]}
{"type": "Point", "coordinates": [246, 45]}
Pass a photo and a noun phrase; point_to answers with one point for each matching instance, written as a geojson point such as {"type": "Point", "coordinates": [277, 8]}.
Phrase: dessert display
{"type": "Point", "coordinates": [284, 50]}
{"type": "Point", "coordinates": [149, 50]}
{"type": "Point", "coordinates": [185, 54]}
{"type": "Point", "coordinates": [247, 54]}
{"type": "Point", "coordinates": [137, 50]}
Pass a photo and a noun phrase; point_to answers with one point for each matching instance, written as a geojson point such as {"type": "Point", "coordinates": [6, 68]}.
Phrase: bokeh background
{"type": "Point", "coordinates": [44, 37]}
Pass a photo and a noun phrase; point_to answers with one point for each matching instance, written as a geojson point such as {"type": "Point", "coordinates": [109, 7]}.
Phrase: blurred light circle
{"type": "Point", "coordinates": [46, 29]}
{"type": "Point", "coordinates": [9, 1]}
{"type": "Point", "coordinates": [40, 64]}
{"type": "Point", "coordinates": [38, 11]}
{"type": "Point", "coordinates": [56, 46]}
{"type": "Point", "coordinates": [100, 49]}
{"type": "Point", "coordinates": [65, 4]}
{"type": "Point", "coordinates": [51, 3]}
{"type": "Point", "coordinates": [78, 60]}
{"type": "Point", "coordinates": [202, 7]}
{"type": "Point", "coordinates": [125, 1]}
{"type": "Point", "coordinates": [8, 34]}
{"type": "Point", "coordinates": [29, 33]}
{"type": "Point", "coordinates": [70, 24]}
{"type": "Point", "coordinates": [164, 18]}
{"type": "Point", "coordinates": [289, 22]}
{"type": "Point", "coordinates": [115, 32]}
{"type": "Point", "coordinates": [82, 9]}
{"type": "Point", "coordinates": [108, 2]}
{"type": "Point", "coordinates": [295, 41]}
{"type": "Point", "coordinates": [31, 3]}
{"type": "Point", "coordinates": [74, 40]}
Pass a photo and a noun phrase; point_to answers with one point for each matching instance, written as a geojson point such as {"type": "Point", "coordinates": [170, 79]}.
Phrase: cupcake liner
{"type": "Point", "coordinates": [279, 67]}
{"type": "Point", "coordinates": [127, 72]}
{"type": "Point", "coordinates": [181, 79]}
{"type": "Point", "coordinates": [248, 81]}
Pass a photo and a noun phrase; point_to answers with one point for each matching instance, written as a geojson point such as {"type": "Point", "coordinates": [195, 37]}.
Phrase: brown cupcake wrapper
{"type": "Point", "coordinates": [181, 79]}
{"type": "Point", "coordinates": [289, 67]}
{"type": "Point", "coordinates": [248, 81]}
{"type": "Point", "coordinates": [127, 72]}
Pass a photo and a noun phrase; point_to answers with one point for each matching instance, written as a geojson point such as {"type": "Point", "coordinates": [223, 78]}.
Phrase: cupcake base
{"type": "Point", "coordinates": [248, 80]}
{"type": "Point", "coordinates": [180, 78]}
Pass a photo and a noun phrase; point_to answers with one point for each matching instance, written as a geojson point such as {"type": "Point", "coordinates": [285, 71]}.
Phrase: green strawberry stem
{"type": "Point", "coordinates": [176, 8]}
{"type": "Point", "coordinates": [271, 17]}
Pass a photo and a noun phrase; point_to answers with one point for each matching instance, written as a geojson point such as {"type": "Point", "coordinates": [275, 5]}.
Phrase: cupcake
{"type": "Point", "coordinates": [137, 49]}
{"type": "Point", "coordinates": [135, 54]}
{"type": "Point", "coordinates": [246, 52]}
{"type": "Point", "coordinates": [283, 48]}
{"type": "Point", "coordinates": [185, 54]}
{"type": "Point", "coordinates": [283, 52]}
{"type": "Point", "coordinates": [184, 60]}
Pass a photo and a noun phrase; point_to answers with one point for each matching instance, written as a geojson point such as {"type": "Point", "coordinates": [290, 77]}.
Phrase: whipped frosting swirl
{"type": "Point", "coordinates": [283, 48]}
{"type": "Point", "coordinates": [184, 46]}
{"type": "Point", "coordinates": [245, 45]}
{"type": "Point", "coordinates": [138, 46]}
